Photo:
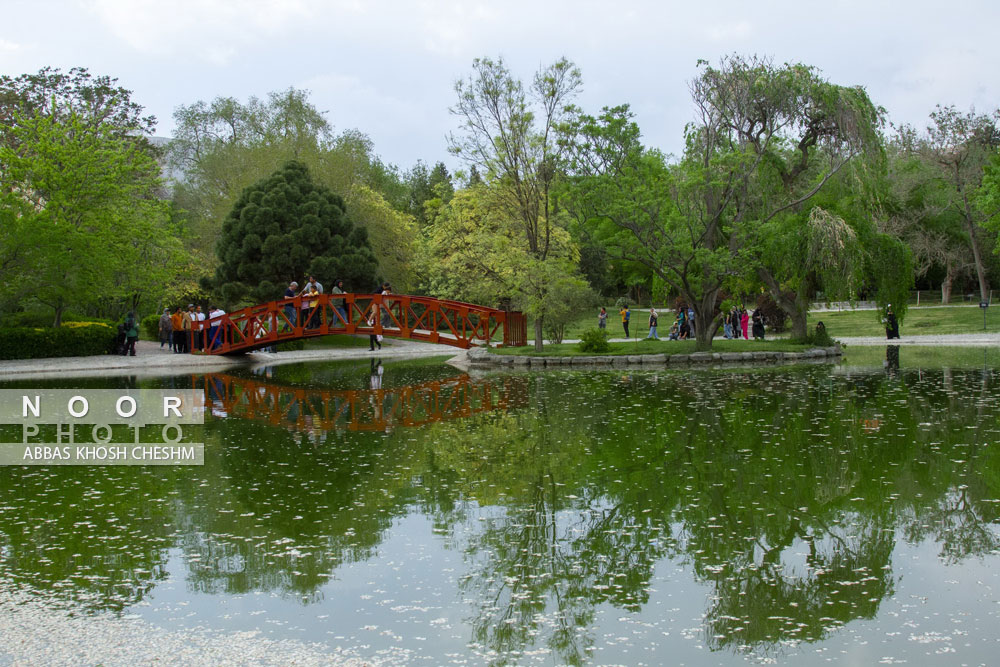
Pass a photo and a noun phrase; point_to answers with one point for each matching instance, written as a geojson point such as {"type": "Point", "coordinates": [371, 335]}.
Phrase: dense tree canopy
{"type": "Point", "coordinates": [69, 241]}
{"type": "Point", "coordinates": [285, 228]}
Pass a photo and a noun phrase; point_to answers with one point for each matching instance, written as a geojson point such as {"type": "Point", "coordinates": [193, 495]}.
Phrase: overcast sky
{"type": "Point", "coordinates": [388, 68]}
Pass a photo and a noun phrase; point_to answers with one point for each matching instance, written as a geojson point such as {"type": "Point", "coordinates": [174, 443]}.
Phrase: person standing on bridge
{"type": "Point", "coordinates": [339, 304]}
{"type": "Point", "coordinates": [313, 284]}
{"type": "Point", "coordinates": [386, 317]}
{"type": "Point", "coordinates": [289, 306]}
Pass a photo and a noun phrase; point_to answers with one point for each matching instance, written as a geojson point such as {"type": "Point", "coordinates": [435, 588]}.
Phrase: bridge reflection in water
{"type": "Point", "coordinates": [317, 411]}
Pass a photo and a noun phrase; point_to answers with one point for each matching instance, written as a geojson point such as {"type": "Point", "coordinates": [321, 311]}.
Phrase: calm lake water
{"type": "Point", "coordinates": [810, 515]}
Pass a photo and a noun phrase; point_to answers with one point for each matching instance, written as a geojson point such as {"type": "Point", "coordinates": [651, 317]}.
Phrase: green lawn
{"type": "Point", "coordinates": [657, 347]}
{"type": "Point", "coordinates": [924, 320]}
{"type": "Point", "coordinates": [946, 320]}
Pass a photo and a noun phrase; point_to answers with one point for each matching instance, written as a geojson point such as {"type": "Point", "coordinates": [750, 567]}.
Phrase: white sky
{"type": "Point", "coordinates": [388, 68]}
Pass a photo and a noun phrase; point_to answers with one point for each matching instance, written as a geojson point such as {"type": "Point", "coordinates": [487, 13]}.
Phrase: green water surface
{"type": "Point", "coordinates": [842, 514]}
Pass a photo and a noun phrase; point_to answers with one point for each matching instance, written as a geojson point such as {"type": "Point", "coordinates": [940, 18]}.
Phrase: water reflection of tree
{"type": "Point", "coordinates": [95, 536]}
{"type": "Point", "coordinates": [750, 470]}
{"type": "Point", "coordinates": [274, 512]}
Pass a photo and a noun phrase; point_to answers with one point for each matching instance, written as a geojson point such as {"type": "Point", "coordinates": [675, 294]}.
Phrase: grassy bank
{"type": "Point", "coordinates": [929, 320]}
{"type": "Point", "coordinates": [656, 347]}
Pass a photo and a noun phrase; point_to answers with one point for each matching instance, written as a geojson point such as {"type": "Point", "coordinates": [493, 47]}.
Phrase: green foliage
{"type": "Point", "coordinates": [222, 147]}
{"type": "Point", "coordinates": [150, 325]}
{"type": "Point", "coordinates": [285, 228]}
{"type": "Point", "coordinates": [68, 241]}
{"type": "Point", "coordinates": [509, 131]}
{"type": "Point", "coordinates": [594, 340]}
{"type": "Point", "coordinates": [291, 346]}
{"type": "Point", "coordinates": [77, 339]}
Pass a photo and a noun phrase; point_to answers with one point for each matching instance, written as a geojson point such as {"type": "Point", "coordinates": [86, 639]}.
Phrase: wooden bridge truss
{"type": "Point", "coordinates": [421, 318]}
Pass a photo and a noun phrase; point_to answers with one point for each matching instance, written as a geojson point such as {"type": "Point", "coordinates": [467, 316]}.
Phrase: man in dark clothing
{"type": "Point", "coordinates": [131, 334]}
{"type": "Point", "coordinates": [290, 307]}
{"type": "Point", "coordinates": [891, 325]}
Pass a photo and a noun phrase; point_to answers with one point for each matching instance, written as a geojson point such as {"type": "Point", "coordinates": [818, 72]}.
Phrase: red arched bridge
{"type": "Point", "coordinates": [420, 318]}
{"type": "Point", "coordinates": [318, 411]}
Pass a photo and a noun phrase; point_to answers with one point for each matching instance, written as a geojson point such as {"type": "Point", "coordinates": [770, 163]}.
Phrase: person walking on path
{"type": "Point", "coordinates": [745, 324]}
{"type": "Point", "coordinates": [891, 324]}
{"type": "Point", "coordinates": [690, 320]}
{"type": "Point", "coordinates": [187, 318]}
{"type": "Point", "coordinates": [176, 322]}
{"type": "Point", "coordinates": [758, 325]}
{"type": "Point", "coordinates": [652, 325]}
{"type": "Point", "coordinates": [626, 316]}
{"type": "Point", "coordinates": [166, 329]}
{"type": "Point", "coordinates": [602, 318]}
{"type": "Point", "coordinates": [131, 334]}
{"type": "Point", "coordinates": [200, 329]}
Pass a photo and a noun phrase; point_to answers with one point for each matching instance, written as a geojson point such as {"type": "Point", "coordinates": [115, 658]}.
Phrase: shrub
{"type": "Point", "coordinates": [150, 325]}
{"type": "Point", "coordinates": [77, 339]}
{"type": "Point", "coordinates": [43, 318]}
{"type": "Point", "coordinates": [594, 340]}
{"type": "Point", "coordinates": [292, 345]}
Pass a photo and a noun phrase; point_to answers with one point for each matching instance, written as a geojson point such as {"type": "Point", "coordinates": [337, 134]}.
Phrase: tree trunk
{"type": "Point", "coordinates": [797, 307]}
{"type": "Point", "coordinates": [970, 228]}
{"type": "Point", "coordinates": [59, 313]}
{"type": "Point", "coordinates": [705, 322]}
{"type": "Point", "coordinates": [946, 285]}
{"type": "Point", "coordinates": [799, 318]}
{"type": "Point", "coordinates": [538, 334]}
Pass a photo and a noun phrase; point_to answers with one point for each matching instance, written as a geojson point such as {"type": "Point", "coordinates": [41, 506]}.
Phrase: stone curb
{"type": "Point", "coordinates": [479, 357]}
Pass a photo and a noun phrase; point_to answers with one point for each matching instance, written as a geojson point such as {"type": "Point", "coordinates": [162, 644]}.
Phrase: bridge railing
{"type": "Point", "coordinates": [393, 315]}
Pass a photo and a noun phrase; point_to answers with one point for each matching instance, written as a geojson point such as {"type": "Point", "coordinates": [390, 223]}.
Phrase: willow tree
{"type": "Point", "coordinates": [511, 133]}
{"type": "Point", "coordinates": [766, 140]}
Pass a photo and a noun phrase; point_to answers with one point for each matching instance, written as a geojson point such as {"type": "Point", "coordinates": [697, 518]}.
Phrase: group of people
{"type": "Point", "coordinates": [175, 329]}
{"type": "Point", "coordinates": [735, 322]}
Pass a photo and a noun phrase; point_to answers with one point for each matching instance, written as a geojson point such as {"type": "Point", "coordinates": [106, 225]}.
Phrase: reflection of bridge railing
{"type": "Point", "coordinates": [394, 315]}
{"type": "Point", "coordinates": [321, 410]}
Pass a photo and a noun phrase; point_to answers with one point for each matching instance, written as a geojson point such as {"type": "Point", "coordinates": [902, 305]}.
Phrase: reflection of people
{"type": "Point", "coordinates": [892, 357]}
{"type": "Point", "coordinates": [376, 374]}
{"type": "Point", "coordinates": [891, 325]}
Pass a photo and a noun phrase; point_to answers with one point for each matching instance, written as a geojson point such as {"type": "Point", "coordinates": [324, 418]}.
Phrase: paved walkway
{"type": "Point", "coordinates": [151, 359]}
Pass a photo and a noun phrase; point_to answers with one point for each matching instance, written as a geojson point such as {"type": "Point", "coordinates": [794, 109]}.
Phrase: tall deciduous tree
{"type": "Point", "coordinates": [956, 148]}
{"type": "Point", "coordinates": [284, 228]}
{"type": "Point", "coordinates": [511, 133]}
{"type": "Point", "coordinates": [83, 223]}
{"type": "Point", "coordinates": [224, 146]}
{"type": "Point", "coordinates": [765, 141]}
{"type": "Point", "coordinates": [94, 101]}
